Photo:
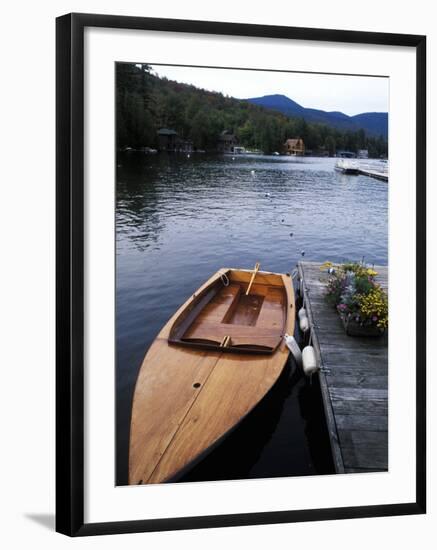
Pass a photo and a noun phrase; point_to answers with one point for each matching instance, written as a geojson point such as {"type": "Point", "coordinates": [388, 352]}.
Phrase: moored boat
{"type": "Point", "coordinates": [347, 166]}
{"type": "Point", "coordinates": [214, 360]}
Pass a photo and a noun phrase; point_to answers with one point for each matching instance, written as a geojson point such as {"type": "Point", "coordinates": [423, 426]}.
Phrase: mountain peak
{"type": "Point", "coordinates": [278, 102]}
{"type": "Point", "coordinates": [374, 124]}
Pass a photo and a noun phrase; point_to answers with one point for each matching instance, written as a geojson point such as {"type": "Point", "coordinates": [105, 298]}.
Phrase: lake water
{"type": "Point", "coordinates": [179, 220]}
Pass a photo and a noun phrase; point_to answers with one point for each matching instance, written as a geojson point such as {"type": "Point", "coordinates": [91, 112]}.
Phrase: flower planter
{"type": "Point", "coordinates": [355, 328]}
{"type": "Point", "coordinates": [360, 301]}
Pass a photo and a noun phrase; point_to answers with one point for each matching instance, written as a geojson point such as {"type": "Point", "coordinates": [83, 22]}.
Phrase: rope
{"type": "Point", "coordinates": [225, 279]}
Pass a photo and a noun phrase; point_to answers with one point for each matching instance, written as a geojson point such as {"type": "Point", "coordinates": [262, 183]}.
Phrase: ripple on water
{"type": "Point", "coordinates": [180, 220]}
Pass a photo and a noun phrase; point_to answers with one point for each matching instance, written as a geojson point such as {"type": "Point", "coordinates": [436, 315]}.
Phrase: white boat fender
{"type": "Point", "coordinates": [304, 324]}
{"type": "Point", "coordinates": [293, 346]}
{"type": "Point", "coordinates": [302, 313]}
{"type": "Point", "coordinates": [309, 361]}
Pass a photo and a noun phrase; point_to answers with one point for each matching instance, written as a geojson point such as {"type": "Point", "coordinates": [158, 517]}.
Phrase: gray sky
{"type": "Point", "coordinates": [349, 94]}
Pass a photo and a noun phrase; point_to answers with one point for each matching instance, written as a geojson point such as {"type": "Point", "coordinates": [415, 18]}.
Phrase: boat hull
{"type": "Point", "coordinates": [351, 171]}
{"type": "Point", "coordinates": [188, 398]}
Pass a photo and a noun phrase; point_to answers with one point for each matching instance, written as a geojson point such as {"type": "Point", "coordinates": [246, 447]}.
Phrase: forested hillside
{"type": "Point", "coordinates": [146, 103]}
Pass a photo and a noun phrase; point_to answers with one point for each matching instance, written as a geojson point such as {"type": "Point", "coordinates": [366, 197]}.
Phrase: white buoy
{"type": "Point", "coordinates": [309, 361]}
{"type": "Point", "coordinates": [304, 324]}
{"type": "Point", "coordinates": [302, 313]}
{"type": "Point", "coordinates": [293, 346]}
{"type": "Point", "coordinates": [188, 156]}
{"type": "Point", "coordinates": [252, 172]}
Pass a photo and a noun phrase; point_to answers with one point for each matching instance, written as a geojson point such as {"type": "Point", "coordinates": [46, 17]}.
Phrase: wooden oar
{"type": "Point", "coordinates": [255, 271]}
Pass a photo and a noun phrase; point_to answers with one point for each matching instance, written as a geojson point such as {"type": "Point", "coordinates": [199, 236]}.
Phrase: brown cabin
{"type": "Point", "coordinates": [169, 140]}
{"type": "Point", "coordinates": [294, 146]}
{"type": "Point", "coordinates": [226, 142]}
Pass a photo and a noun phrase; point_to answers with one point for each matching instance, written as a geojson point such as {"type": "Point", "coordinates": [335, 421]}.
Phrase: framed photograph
{"type": "Point", "coordinates": [240, 274]}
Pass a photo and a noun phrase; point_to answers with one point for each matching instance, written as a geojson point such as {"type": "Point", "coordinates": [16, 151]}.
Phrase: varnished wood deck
{"type": "Point", "coordinates": [353, 380]}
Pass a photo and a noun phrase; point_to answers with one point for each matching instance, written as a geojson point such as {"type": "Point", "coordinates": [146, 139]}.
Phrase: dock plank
{"type": "Point", "coordinates": [353, 379]}
{"type": "Point", "coordinates": [375, 423]}
{"type": "Point", "coordinates": [364, 406]}
{"type": "Point", "coordinates": [364, 449]}
{"type": "Point", "coordinates": [345, 378]}
{"type": "Point", "coordinates": [374, 174]}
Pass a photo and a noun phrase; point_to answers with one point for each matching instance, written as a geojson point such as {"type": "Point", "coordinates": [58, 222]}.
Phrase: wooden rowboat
{"type": "Point", "coordinates": [213, 361]}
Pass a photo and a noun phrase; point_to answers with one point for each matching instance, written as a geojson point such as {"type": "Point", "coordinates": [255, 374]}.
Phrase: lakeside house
{"type": "Point", "coordinates": [227, 141]}
{"type": "Point", "coordinates": [294, 146]}
{"type": "Point", "coordinates": [169, 140]}
{"type": "Point", "coordinates": [363, 154]}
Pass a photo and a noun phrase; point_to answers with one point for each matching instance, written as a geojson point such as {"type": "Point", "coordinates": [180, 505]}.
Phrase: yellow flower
{"type": "Point", "coordinates": [375, 304]}
{"type": "Point", "coordinates": [372, 272]}
{"type": "Point", "coordinates": [325, 265]}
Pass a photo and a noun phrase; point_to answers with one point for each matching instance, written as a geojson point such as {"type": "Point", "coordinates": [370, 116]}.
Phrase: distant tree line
{"type": "Point", "coordinates": [146, 103]}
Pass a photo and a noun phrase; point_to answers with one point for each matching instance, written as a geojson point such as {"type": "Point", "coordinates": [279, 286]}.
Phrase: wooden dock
{"type": "Point", "coordinates": [383, 176]}
{"type": "Point", "coordinates": [353, 379]}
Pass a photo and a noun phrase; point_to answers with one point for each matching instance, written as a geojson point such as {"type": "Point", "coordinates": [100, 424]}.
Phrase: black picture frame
{"type": "Point", "coordinates": [70, 273]}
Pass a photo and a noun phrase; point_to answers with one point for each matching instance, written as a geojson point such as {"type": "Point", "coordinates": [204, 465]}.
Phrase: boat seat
{"type": "Point", "coordinates": [255, 321]}
{"type": "Point", "coordinates": [272, 311]}
{"type": "Point", "coordinates": [240, 335]}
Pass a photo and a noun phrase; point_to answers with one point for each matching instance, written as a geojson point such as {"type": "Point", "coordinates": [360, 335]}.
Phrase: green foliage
{"type": "Point", "coordinates": [146, 103]}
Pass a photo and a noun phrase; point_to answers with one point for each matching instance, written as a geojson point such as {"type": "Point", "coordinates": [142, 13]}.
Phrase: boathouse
{"type": "Point", "coordinates": [169, 140]}
{"type": "Point", "coordinates": [226, 142]}
{"type": "Point", "coordinates": [294, 146]}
